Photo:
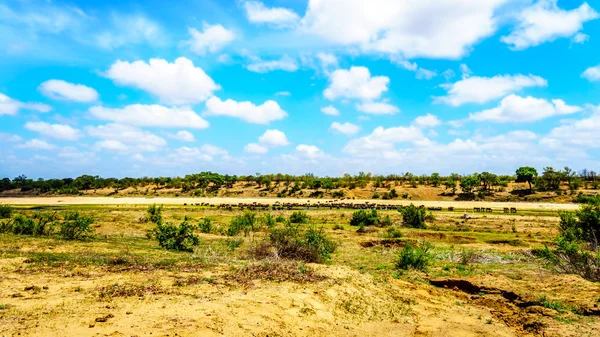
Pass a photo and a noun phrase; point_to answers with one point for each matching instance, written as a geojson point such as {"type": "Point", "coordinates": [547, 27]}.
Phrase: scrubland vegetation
{"type": "Point", "coordinates": [525, 184]}
{"type": "Point", "coordinates": [202, 270]}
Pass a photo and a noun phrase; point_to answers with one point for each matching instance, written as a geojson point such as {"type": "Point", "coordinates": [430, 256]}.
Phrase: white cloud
{"type": "Point", "coordinates": [309, 151]}
{"type": "Point", "coordinates": [575, 134]}
{"type": "Point", "coordinates": [36, 144]}
{"type": "Point", "coordinates": [327, 60]}
{"type": "Point", "coordinates": [184, 136]}
{"type": "Point", "coordinates": [9, 138]}
{"type": "Point", "coordinates": [151, 115]}
{"type": "Point", "coordinates": [544, 21]}
{"type": "Point", "coordinates": [257, 12]}
{"type": "Point", "coordinates": [481, 90]}
{"type": "Point", "coordinates": [592, 74]}
{"type": "Point", "coordinates": [345, 128]}
{"type": "Point", "coordinates": [212, 39]}
{"type": "Point", "coordinates": [580, 38]}
{"type": "Point", "coordinates": [283, 93]}
{"type": "Point", "coordinates": [425, 74]}
{"type": "Point", "coordinates": [62, 90]}
{"type": "Point", "coordinates": [448, 74]}
{"type": "Point", "coordinates": [466, 72]}
{"type": "Point", "coordinates": [356, 83]}
{"type": "Point", "coordinates": [330, 110]}
{"type": "Point", "coordinates": [174, 83]}
{"type": "Point", "coordinates": [256, 148]}
{"type": "Point", "coordinates": [58, 131]}
{"type": "Point", "coordinates": [205, 152]}
{"type": "Point", "coordinates": [286, 63]}
{"type": "Point", "coordinates": [9, 106]}
{"type": "Point", "coordinates": [382, 141]}
{"type": "Point", "coordinates": [413, 28]}
{"type": "Point", "coordinates": [122, 138]}
{"type": "Point", "coordinates": [269, 139]}
{"type": "Point", "coordinates": [377, 108]}
{"type": "Point", "coordinates": [273, 138]}
{"type": "Point", "coordinates": [517, 109]}
{"type": "Point", "coordinates": [247, 111]}
{"type": "Point", "coordinates": [127, 30]}
{"type": "Point", "coordinates": [427, 121]}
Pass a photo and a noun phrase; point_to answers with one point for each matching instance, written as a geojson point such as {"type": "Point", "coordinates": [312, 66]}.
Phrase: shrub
{"type": "Point", "coordinates": [280, 219]}
{"type": "Point", "coordinates": [155, 214]}
{"type": "Point", "coordinates": [268, 220]}
{"type": "Point", "coordinates": [205, 226]}
{"type": "Point", "coordinates": [338, 194]}
{"type": "Point", "coordinates": [40, 224]}
{"type": "Point", "coordinates": [5, 211]}
{"type": "Point", "coordinates": [413, 216]}
{"type": "Point", "coordinates": [375, 196]}
{"type": "Point", "coordinates": [338, 227]}
{"type": "Point", "coordinates": [245, 222]}
{"type": "Point", "coordinates": [392, 233]}
{"type": "Point", "coordinates": [364, 218]}
{"type": "Point", "coordinates": [181, 238]}
{"type": "Point", "coordinates": [414, 257]}
{"type": "Point", "coordinates": [299, 217]}
{"type": "Point", "coordinates": [76, 227]}
{"type": "Point", "coordinates": [386, 221]}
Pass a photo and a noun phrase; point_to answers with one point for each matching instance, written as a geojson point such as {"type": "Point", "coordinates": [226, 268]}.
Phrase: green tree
{"type": "Point", "coordinates": [526, 174]}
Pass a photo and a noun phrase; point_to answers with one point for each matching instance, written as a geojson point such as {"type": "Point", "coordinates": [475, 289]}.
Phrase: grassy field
{"type": "Point", "coordinates": [483, 280]}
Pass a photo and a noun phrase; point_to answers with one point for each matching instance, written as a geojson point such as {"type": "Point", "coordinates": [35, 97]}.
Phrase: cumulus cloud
{"type": "Point", "coordinates": [413, 28]}
{"type": "Point", "coordinates": [151, 115]}
{"type": "Point", "coordinates": [258, 13]}
{"type": "Point", "coordinates": [581, 133]}
{"type": "Point", "coordinates": [327, 60]}
{"type": "Point", "coordinates": [119, 137]}
{"type": "Point", "coordinates": [377, 108]}
{"type": "Point", "coordinates": [62, 90]}
{"type": "Point", "coordinates": [184, 136]}
{"type": "Point", "coordinates": [36, 144]}
{"type": "Point", "coordinates": [179, 82]}
{"type": "Point", "coordinates": [330, 110]}
{"type": "Point", "coordinates": [356, 83]}
{"type": "Point", "coordinates": [427, 121]}
{"type": "Point", "coordinates": [211, 39]}
{"type": "Point", "coordinates": [309, 151]}
{"type": "Point", "coordinates": [9, 106]}
{"type": "Point", "coordinates": [425, 74]}
{"type": "Point", "coordinates": [475, 89]}
{"type": "Point", "coordinates": [517, 109]}
{"type": "Point", "coordinates": [269, 139]}
{"type": "Point", "coordinates": [205, 152]}
{"type": "Point", "coordinates": [286, 63]}
{"type": "Point", "coordinates": [580, 38]}
{"type": "Point", "coordinates": [592, 74]}
{"type": "Point", "coordinates": [345, 128]}
{"type": "Point", "coordinates": [247, 111]}
{"type": "Point", "coordinates": [127, 30]}
{"type": "Point", "coordinates": [58, 131]}
{"type": "Point", "coordinates": [382, 140]}
{"type": "Point", "coordinates": [544, 21]}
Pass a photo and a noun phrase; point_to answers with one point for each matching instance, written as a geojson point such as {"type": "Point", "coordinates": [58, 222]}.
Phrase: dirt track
{"type": "Point", "coordinates": [216, 201]}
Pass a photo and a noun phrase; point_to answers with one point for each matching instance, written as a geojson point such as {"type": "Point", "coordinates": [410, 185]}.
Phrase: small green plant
{"type": "Point", "coordinates": [280, 219]}
{"type": "Point", "coordinates": [155, 214]}
{"type": "Point", "coordinates": [205, 226]}
{"type": "Point", "coordinates": [5, 211]}
{"type": "Point", "coordinates": [299, 217]}
{"type": "Point", "coordinates": [466, 256]}
{"type": "Point", "coordinates": [338, 227]}
{"type": "Point", "coordinates": [414, 257]}
{"type": "Point", "coordinates": [363, 218]}
{"type": "Point", "coordinates": [76, 227]}
{"type": "Point", "coordinates": [413, 216]}
{"type": "Point", "coordinates": [269, 220]}
{"type": "Point", "coordinates": [393, 233]}
{"type": "Point", "coordinates": [234, 244]}
{"type": "Point", "coordinates": [180, 238]}
{"type": "Point", "coordinates": [245, 223]}
{"type": "Point", "coordinates": [386, 221]}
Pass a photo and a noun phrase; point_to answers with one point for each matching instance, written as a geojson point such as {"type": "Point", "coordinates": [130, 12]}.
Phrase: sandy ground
{"type": "Point", "coordinates": [216, 201]}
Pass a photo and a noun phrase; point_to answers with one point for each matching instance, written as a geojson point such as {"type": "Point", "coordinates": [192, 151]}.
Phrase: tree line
{"type": "Point", "coordinates": [548, 180]}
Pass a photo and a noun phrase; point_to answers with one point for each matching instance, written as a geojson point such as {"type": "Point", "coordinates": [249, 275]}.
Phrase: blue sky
{"type": "Point", "coordinates": [126, 88]}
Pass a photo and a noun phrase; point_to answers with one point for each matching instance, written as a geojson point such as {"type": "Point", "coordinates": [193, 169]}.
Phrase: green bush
{"type": "Point", "coordinates": [362, 218]}
{"type": "Point", "coordinates": [180, 238]}
{"type": "Point", "coordinates": [245, 223]}
{"type": "Point", "coordinates": [205, 226]}
{"type": "Point", "coordinates": [280, 219]}
{"type": "Point", "coordinates": [155, 214]}
{"type": "Point", "coordinates": [414, 257]}
{"type": "Point", "coordinates": [386, 221]}
{"type": "Point", "coordinates": [393, 233]}
{"type": "Point", "coordinates": [289, 242]}
{"type": "Point", "coordinates": [413, 216]}
{"type": "Point", "coordinates": [5, 211]}
{"type": "Point", "coordinates": [76, 227]}
{"type": "Point", "coordinates": [299, 217]}
{"type": "Point", "coordinates": [269, 220]}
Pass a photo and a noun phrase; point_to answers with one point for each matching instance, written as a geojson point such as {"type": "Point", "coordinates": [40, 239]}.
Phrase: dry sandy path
{"type": "Point", "coordinates": [216, 201]}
